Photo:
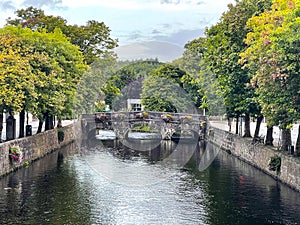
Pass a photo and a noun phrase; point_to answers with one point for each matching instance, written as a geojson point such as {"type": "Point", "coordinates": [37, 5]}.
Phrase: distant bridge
{"type": "Point", "coordinates": [168, 126]}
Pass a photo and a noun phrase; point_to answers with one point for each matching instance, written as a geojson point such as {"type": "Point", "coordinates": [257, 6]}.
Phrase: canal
{"type": "Point", "coordinates": [107, 183]}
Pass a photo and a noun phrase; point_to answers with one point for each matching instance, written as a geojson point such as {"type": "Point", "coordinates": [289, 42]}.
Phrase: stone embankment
{"type": "Point", "coordinates": [34, 147]}
{"type": "Point", "coordinates": [258, 155]}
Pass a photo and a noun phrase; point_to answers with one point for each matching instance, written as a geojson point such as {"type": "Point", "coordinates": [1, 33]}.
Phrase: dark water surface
{"type": "Point", "coordinates": [105, 185]}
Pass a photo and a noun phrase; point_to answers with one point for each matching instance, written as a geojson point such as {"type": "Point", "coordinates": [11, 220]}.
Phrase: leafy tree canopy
{"type": "Point", "coordinates": [49, 74]}
{"type": "Point", "coordinates": [273, 55]}
{"type": "Point", "coordinates": [223, 45]}
{"type": "Point", "coordinates": [126, 80]}
{"type": "Point", "coordinates": [16, 77]}
{"type": "Point", "coordinates": [163, 91]}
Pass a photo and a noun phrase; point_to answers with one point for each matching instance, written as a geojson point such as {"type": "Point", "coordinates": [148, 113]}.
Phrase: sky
{"type": "Point", "coordinates": [144, 28]}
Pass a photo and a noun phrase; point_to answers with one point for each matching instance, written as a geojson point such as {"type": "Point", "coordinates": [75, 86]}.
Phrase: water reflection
{"type": "Point", "coordinates": [240, 194]}
{"type": "Point", "coordinates": [65, 188]}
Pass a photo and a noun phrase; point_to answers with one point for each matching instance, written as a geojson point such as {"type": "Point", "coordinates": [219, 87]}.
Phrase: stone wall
{"type": "Point", "coordinates": [258, 155]}
{"type": "Point", "coordinates": [34, 147]}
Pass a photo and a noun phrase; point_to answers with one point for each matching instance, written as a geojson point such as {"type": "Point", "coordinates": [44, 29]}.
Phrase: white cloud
{"type": "Point", "coordinates": [134, 21]}
{"type": "Point", "coordinates": [118, 4]}
{"type": "Point", "coordinates": [165, 5]}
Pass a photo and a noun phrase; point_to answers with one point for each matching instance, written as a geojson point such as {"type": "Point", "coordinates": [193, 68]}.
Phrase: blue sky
{"type": "Point", "coordinates": [134, 22]}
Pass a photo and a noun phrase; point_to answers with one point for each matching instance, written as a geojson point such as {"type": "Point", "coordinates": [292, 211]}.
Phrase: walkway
{"type": "Point", "coordinates": [223, 125]}
{"type": "Point", "coordinates": [34, 123]}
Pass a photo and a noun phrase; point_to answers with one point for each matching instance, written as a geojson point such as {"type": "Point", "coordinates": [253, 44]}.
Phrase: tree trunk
{"type": "Point", "coordinates": [247, 132]}
{"type": "Point", "coordinates": [51, 121]}
{"type": "Point", "coordinates": [1, 124]}
{"type": "Point", "coordinates": [286, 139]}
{"type": "Point", "coordinates": [257, 128]}
{"type": "Point", "coordinates": [41, 121]}
{"type": "Point", "coordinates": [59, 123]}
{"type": "Point", "coordinates": [48, 121]}
{"type": "Point", "coordinates": [297, 151]}
{"type": "Point", "coordinates": [237, 125]}
{"type": "Point", "coordinates": [269, 138]}
{"type": "Point", "coordinates": [22, 123]}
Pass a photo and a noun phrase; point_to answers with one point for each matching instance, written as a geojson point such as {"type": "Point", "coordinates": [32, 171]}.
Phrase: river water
{"type": "Point", "coordinates": [107, 183]}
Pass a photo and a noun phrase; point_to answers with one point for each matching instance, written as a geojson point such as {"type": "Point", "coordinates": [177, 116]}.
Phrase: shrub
{"type": "Point", "coordinates": [275, 163]}
{"type": "Point", "coordinates": [60, 135]}
{"type": "Point", "coordinates": [15, 153]}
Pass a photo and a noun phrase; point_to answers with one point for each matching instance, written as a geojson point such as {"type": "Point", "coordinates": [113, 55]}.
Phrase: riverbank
{"type": "Point", "coordinates": [34, 147]}
{"type": "Point", "coordinates": [258, 155]}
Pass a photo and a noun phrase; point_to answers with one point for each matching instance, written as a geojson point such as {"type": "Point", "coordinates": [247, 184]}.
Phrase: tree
{"type": "Point", "coordinates": [199, 82]}
{"type": "Point", "coordinates": [93, 39]}
{"type": "Point", "coordinates": [163, 91]}
{"type": "Point", "coordinates": [273, 54]}
{"type": "Point", "coordinates": [189, 63]}
{"type": "Point", "coordinates": [17, 80]}
{"type": "Point", "coordinates": [224, 43]}
{"type": "Point", "coordinates": [89, 92]}
{"type": "Point", "coordinates": [125, 81]}
{"type": "Point", "coordinates": [55, 64]}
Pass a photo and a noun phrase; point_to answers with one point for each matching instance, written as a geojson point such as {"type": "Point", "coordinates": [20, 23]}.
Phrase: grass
{"type": "Point", "coordinates": [144, 129]}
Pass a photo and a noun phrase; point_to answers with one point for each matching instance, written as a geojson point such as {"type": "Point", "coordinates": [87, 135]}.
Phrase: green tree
{"type": "Point", "coordinates": [17, 80]}
{"type": "Point", "coordinates": [57, 65]}
{"type": "Point", "coordinates": [190, 63]}
{"type": "Point", "coordinates": [89, 92]}
{"type": "Point", "coordinates": [163, 91]}
{"type": "Point", "coordinates": [126, 81]}
{"type": "Point", "coordinates": [224, 43]}
{"type": "Point", "coordinates": [201, 84]}
{"type": "Point", "coordinates": [273, 55]}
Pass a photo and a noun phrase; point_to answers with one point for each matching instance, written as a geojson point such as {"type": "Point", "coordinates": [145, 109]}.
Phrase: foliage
{"type": "Point", "coordinates": [163, 91]}
{"type": "Point", "coordinates": [126, 81]}
{"type": "Point", "coordinates": [53, 55]}
{"type": "Point", "coordinates": [142, 115]}
{"type": "Point", "coordinates": [144, 129]}
{"type": "Point", "coordinates": [26, 164]}
{"type": "Point", "coordinates": [190, 63]}
{"type": "Point", "coordinates": [17, 79]}
{"type": "Point", "coordinates": [193, 89]}
{"type": "Point", "coordinates": [60, 135]}
{"type": "Point", "coordinates": [200, 82]}
{"type": "Point", "coordinates": [40, 71]}
{"type": "Point", "coordinates": [89, 92]}
{"type": "Point", "coordinates": [167, 117]}
{"type": "Point", "coordinates": [275, 163]}
{"type": "Point", "coordinates": [15, 153]}
{"type": "Point", "coordinates": [223, 45]}
{"type": "Point", "coordinates": [272, 55]}
{"type": "Point", "coordinates": [186, 119]}
{"type": "Point", "coordinates": [145, 115]}
{"type": "Point", "coordinates": [100, 106]}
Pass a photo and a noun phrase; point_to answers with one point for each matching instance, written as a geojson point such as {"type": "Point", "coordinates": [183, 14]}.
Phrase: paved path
{"type": "Point", "coordinates": [34, 124]}
{"type": "Point", "coordinates": [263, 130]}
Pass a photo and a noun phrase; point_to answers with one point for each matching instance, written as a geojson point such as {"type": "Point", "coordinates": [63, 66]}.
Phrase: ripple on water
{"type": "Point", "coordinates": [141, 201]}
